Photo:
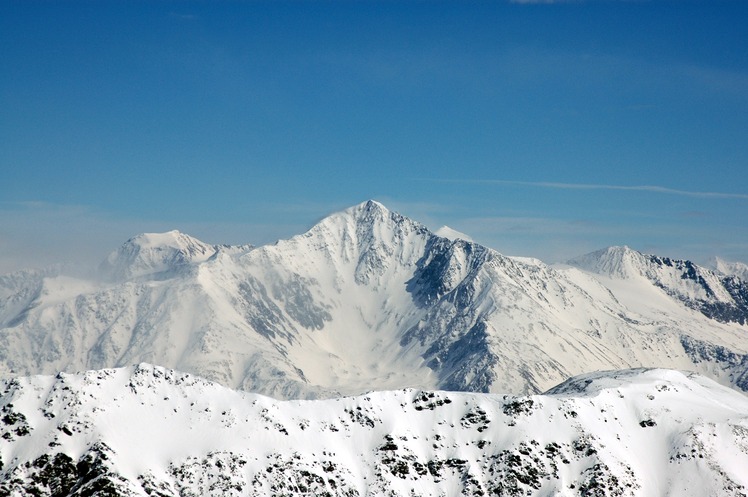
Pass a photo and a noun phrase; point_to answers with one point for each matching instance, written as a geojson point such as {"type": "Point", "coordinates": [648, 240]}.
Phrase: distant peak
{"type": "Point", "coordinates": [149, 253]}
{"type": "Point", "coordinates": [619, 261]}
{"type": "Point", "coordinates": [167, 238]}
{"type": "Point", "coordinates": [729, 268]}
{"type": "Point", "coordinates": [617, 250]}
{"type": "Point", "coordinates": [614, 252]}
{"type": "Point", "coordinates": [452, 234]}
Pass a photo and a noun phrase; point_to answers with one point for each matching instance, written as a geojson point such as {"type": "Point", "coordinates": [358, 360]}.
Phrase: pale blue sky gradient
{"type": "Point", "coordinates": [545, 130]}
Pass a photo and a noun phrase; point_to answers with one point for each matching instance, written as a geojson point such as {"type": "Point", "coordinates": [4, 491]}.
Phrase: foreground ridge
{"type": "Point", "coordinates": [146, 430]}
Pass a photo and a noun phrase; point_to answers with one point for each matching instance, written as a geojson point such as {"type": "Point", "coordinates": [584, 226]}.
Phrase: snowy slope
{"type": "Point", "coordinates": [738, 269]}
{"type": "Point", "coordinates": [146, 430]}
{"type": "Point", "coordinates": [452, 234]}
{"type": "Point", "coordinates": [153, 253]}
{"type": "Point", "coordinates": [366, 300]}
{"type": "Point", "coordinates": [714, 294]}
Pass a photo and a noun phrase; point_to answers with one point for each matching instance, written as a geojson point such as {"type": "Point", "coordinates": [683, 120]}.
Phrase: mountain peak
{"type": "Point", "coordinates": [729, 268]}
{"type": "Point", "coordinates": [365, 216]}
{"type": "Point", "coordinates": [616, 261]}
{"type": "Point", "coordinates": [372, 205]}
{"type": "Point", "coordinates": [369, 234]}
{"type": "Point", "coordinates": [370, 209]}
{"type": "Point", "coordinates": [150, 253]}
{"type": "Point", "coordinates": [452, 234]}
{"type": "Point", "coordinates": [173, 238]}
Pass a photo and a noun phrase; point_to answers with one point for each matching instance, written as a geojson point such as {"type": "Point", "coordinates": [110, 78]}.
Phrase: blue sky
{"type": "Point", "coordinates": [545, 129]}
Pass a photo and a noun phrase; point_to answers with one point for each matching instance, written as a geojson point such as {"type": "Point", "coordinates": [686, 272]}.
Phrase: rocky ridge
{"type": "Point", "coordinates": [147, 430]}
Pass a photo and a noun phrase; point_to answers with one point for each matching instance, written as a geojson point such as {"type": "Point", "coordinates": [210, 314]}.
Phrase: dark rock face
{"type": "Point", "coordinates": [464, 367]}
{"type": "Point", "coordinates": [738, 312]}
{"type": "Point", "coordinates": [445, 283]}
{"type": "Point", "coordinates": [434, 277]}
{"type": "Point", "coordinates": [734, 310]}
{"type": "Point", "coordinates": [737, 364]}
{"type": "Point", "coordinates": [59, 475]}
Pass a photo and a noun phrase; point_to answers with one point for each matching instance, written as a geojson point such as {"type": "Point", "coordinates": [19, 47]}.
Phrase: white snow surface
{"type": "Point", "coordinates": [730, 268]}
{"type": "Point", "coordinates": [452, 234]}
{"type": "Point", "coordinates": [152, 253]}
{"type": "Point", "coordinates": [367, 300]}
{"type": "Point", "coordinates": [146, 430]}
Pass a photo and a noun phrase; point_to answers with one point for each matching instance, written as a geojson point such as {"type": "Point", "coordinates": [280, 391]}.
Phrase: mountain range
{"type": "Point", "coordinates": [368, 299]}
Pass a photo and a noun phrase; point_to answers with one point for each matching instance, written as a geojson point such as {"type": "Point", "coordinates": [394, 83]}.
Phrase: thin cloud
{"type": "Point", "coordinates": [694, 215]}
{"type": "Point", "coordinates": [556, 239]}
{"type": "Point", "coordinates": [591, 186]}
{"type": "Point", "coordinates": [548, 2]}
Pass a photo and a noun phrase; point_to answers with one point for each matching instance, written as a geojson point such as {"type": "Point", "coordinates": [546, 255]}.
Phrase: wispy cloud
{"type": "Point", "coordinates": [592, 186]}
{"type": "Point", "coordinates": [539, 1]}
{"type": "Point", "coordinates": [547, 2]}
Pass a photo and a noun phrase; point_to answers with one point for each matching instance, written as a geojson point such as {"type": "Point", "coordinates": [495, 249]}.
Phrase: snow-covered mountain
{"type": "Point", "coordinates": [150, 431]}
{"type": "Point", "coordinates": [368, 299]}
{"type": "Point", "coordinates": [152, 254]}
{"type": "Point", "coordinates": [718, 296]}
{"type": "Point", "coordinates": [739, 269]}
